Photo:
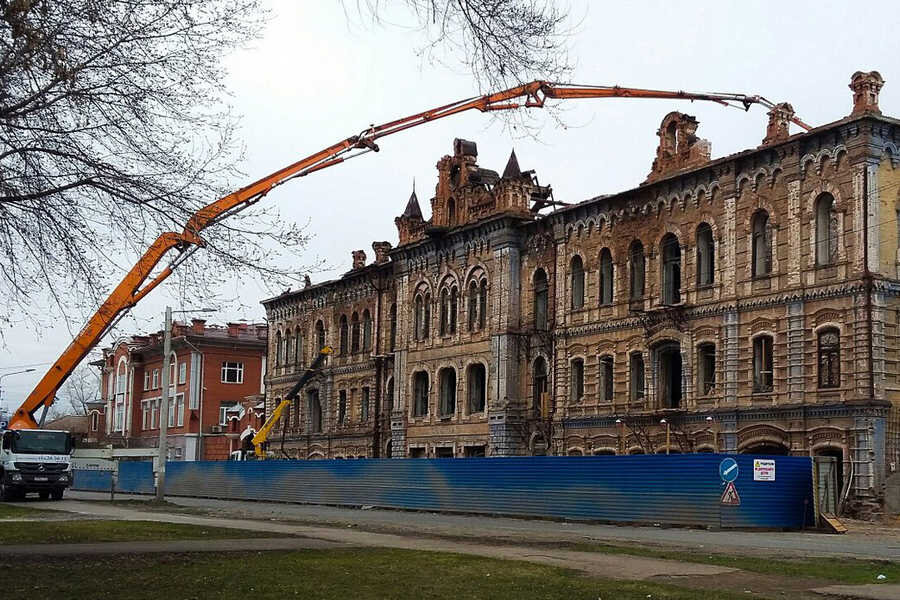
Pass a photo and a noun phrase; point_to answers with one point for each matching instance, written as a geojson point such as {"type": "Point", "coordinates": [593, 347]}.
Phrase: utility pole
{"type": "Point", "coordinates": [164, 409]}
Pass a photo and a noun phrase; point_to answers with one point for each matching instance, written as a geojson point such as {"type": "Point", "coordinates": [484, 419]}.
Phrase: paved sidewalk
{"type": "Point", "coordinates": [867, 592]}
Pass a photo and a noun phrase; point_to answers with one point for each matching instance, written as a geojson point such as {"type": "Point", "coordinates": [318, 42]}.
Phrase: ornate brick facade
{"type": "Point", "coordinates": [744, 304]}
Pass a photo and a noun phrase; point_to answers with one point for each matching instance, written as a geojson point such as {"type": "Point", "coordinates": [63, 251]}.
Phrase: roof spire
{"type": "Point", "coordinates": [512, 169]}
{"type": "Point", "coordinates": [412, 207]}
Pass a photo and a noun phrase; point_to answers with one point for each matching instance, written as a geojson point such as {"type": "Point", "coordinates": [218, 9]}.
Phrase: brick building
{"type": "Point", "coordinates": [216, 386]}
{"type": "Point", "coordinates": [739, 304]}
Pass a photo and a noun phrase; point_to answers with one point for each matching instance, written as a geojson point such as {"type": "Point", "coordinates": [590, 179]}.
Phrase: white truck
{"type": "Point", "coordinates": [35, 460]}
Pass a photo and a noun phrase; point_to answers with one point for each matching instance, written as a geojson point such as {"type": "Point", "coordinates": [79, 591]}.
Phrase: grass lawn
{"type": "Point", "coordinates": [14, 511]}
{"type": "Point", "coordinates": [322, 574]}
{"type": "Point", "coordinates": [844, 570]}
{"type": "Point", "coordinates": [82, 531]}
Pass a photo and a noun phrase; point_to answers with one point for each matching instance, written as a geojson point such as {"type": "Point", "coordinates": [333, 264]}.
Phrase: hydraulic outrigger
{"type": "Point", "coordinates": [139, 282]}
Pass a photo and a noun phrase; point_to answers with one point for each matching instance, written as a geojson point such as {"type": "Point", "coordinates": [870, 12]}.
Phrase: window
{"type": "Point", "coordinates": [668, 375]}
{"type": "Point", "coordinates": [367, 331]}
{"type": "Point", "coordinates": [315, 411]}
{"type": "Point", "coordinates": [232, 372]}
{"type": "Point", "coordinates": [576, 380]}
{"type": "Point", "coordinates": [389, 396]}
{"type": "Point", "coordinates": [286, 349]}
{"type": "Point", "coordinates": [393, 333]}
{"type": "Point", "coordinates": [606, 378]}
{"type": "Point", "coordinates": [473, 305]}
{"type": "Point", "coordinates": [761, 245]}
{"type": "Point", "coordinates": [320, 335]}
{"type": "Point", "coordinates": [449, 306]}
{"type": "Point", "coordinates": [422, 316]}
{"type": "Point", "coordinates": [705, 255]}
{"type": "Point", "coordinates": [223, 413]}
{"type": "Point", "coordinates": [95, 421]}
{"type": "Point", "coordinates": [146, 380]}
{"type": "Point", "coordinates": [146, 408]}
{"type": "Point", "coordinates": [706, 360]}
{"type": "Point", "coordinates": [279, 348]}
{"type": "Point", "coordinates": [298, 347]}
{"type": "Point", "coordinates": [295, 412]}
{"type": "Point", "coordinates": [670, 250]}
{"type": "Point", "coordinates": [170, 405]}
{"type": "Point", "coordinates": [477, 388]}
{"type": "Point", "coordinates": [172, 368]}
{"type": "Point", "coordinates": [182, 372]}
{"type": "Point", "coordinates": [345, 335]}
{"type": "Point", "coordinates": [154, 414]}
{"type": "Point", "coordinates": [606, 277]}
{"type": "Point", "coordinates": [179, 409]}
{"type": "Point", "coordinates": [342, 407]}
{"type": "Point", "coordinates": [364, 405]}
{"type": "Point", "coordinates": [829, 358]}
{"type": "Point", "coordinates": [762, 364]}
{"type": "Point", "coordinates": [826, 230]}
{"type": "Point", "coordinates": [354, 333]}
{"type": "Point", "coordinates": [636, 376]}
{"type": "Point", "coordinates": [155, 380]}
{"type": "Point", "coordinates": [420, 394]}
{"type": "Point", "coordinates": [448, 392]}
{"type": "Point", "coordinates": [482, 304]}
{"type": "Point", "coordinates": [451, 212]}
{"type": "Point", "coordinates": [540, 300]}
{"type": "Point", "coordinates": [637, 270]}
{"type": "Point", "coordinates": [454, 308]}
{"type": "Point", "coordinates": [418, 317]}
{"type": "Point", "coordinates": [576, 270]}
{"type": "Point", "coordinates": [539, 383]}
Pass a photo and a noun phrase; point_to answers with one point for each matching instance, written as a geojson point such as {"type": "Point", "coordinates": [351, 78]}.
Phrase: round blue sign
{"type": "Point", "coordinates": [728, 470]}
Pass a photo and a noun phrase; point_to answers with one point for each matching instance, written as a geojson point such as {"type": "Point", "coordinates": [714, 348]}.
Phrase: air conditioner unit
{"type": "Point", "coordinates": [216, 429]}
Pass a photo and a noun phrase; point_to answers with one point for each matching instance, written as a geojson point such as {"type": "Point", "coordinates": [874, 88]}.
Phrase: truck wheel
{"type": "Point", "coordinates": [57, 494]}
{"type": "Point", "coordinates": [44, 494]}
{"type": "Point", "coordinates": [6, 493]}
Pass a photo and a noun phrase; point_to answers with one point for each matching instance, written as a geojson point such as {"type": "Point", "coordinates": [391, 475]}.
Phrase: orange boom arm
{"type": "Point", "coordinates": [138, 282]}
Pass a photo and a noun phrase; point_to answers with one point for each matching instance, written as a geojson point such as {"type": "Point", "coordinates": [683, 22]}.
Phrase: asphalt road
{"type": "Point", "coordinates": [508, 530]}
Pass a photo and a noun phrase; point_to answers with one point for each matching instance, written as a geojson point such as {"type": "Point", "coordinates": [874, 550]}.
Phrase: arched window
{"type": "Point", "coordinates": [447, 380]}
{"type": "Point", "coordinates": [576, 270]}
{"type": "Point", "coordinates": [473, 305]}
{"type": "Point", "coordinates": [606, 378]}
{"type": "Point", "coordinates": [392, 341]}
{"type": "Point", "coordinates": [354, 333]}
{"type": "Point", "coordinates": [477, 379]}
{"type": "Point", "coordinates": [636, 376]}
{"type": "Point", "coordinates": [761, 244]}
{"type": "Point", "coordinates": [576, 380]}
{"type": "Point", "coordinates": [279, 348]}
{"type": "Point", "coordinates": [540, 300]}
{"type": "Point", "coordinates": [454, 308]}
{"type": "Point", "coordinates": [762, 364]}
{"type": "Point", "coordinates": [451, 212]}
{"type": "Point", "coordinates": [298, 347]}
{"type": "Point", "coordinates": [345, 335]}
{"type": "Point", "coordinates": [539, 384]}
{"type": "Point", "coordinates": [320, 335]}
{"type": "Point", "coordinates": [606, 277]}
{"type": "Point", "coordinates": [636, 254]}
{"type": "Point", "coordinates": [829, 358]}
{"type": "Point", "coordinates": [286, 357]}
{"type": "Point", "coordinates": [420, 394]}
{"type": "Point", "coordinates": [426, 317]}
{"type": "Point", "coordinates": [706, 262]}
{"type": "Point", "coordinates": [826, 230]}
{"type": "Point", "coordinates": [445, 311]}
{"type": "Point", "coordinates": [706, 362]}
{"type": "Point", "coordinates": [419, 317]}
{"type": "Point", "coordinates": [482, 304]}
{"type": "Point", "coordinates": [315, 411]}
{"type": "Point", "coordinates": [342, 407]}
{"type": "Point", "coordinates": [670, 250]}
{"type": "Point", "coordinates": [367, 331]}
{"type": "Point", "coordinates": [389, 396]}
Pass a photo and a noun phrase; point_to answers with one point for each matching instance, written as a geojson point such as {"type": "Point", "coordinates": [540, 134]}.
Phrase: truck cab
{"type": "Point", "coordinates": [35, 460]}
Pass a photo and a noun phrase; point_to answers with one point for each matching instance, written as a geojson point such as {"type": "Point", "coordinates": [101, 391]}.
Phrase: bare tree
{"type": "Point", "coordinates": [82, 386]}
{"type": "Point", "coordinates": [501, 42]}
{"type": "Point", "coordinates": [113, 128]}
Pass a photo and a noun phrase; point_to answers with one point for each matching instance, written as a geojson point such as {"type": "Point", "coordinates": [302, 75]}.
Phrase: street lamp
{"type": "Point", "coordinates": [666, 423]}
{"type": "Point", "coordinates": [164, 399]}
{"type": "Point", "coordinates": [619, 431]}
{"type": "Point", "coordinates": [715, 431]}
{"type": "Point", "coordinates": [1, 384]}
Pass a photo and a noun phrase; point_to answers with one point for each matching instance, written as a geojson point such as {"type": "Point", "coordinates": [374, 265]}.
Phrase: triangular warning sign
{"type": "Point", "coordinates": [730, 495]}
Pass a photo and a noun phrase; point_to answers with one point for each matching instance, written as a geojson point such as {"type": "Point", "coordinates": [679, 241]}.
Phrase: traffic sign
{"type": "Point", "coordinates": [728, 470]}
{"type": "Point", "coordinates": [730, 495]}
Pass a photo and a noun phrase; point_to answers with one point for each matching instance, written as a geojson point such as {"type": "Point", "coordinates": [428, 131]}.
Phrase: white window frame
{"type": "Point", "coordinates": [179, 409]}
{"type": "Point", "coordinates": [155, 379]}
{"type": "Point", "coordinates": [146, 380]}
{"type": "Point", "coordinates": [171, 415]}
{"type": "Point", "coordinates": [145, 414]}
{"type": "Point", "coordinates": [182, 373]}
{"type": "Point", "coordinates": [223, 415]}
{"type": "Point", "coordinates": [236, 367]}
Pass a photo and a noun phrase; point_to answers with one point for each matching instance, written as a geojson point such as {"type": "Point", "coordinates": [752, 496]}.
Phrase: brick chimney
{"type": "Point", "coordinates": [198, 326]}
{"type": "Point", "coordinates": [359, 259]}
{"type": "Point", "coordinates": [233, 329]}
{"type": "Point", "coordinates": [779, 122]}
{"type": "Point", "coordinates": [866, 87]}
{"type": "Point", "coordinates": [381, 252]}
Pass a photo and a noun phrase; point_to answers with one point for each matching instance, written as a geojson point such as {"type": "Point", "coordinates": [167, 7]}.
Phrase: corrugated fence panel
{"type": "Point", "coordinates": [679, 489]}
{"type": "Point", "coordinates": [91, 480]}
{"type": "Point", "coordinates": [136, 477]}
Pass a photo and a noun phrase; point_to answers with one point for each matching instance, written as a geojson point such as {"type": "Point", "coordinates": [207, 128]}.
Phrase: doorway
{"type": "Point", "coordinates": [669, 375]}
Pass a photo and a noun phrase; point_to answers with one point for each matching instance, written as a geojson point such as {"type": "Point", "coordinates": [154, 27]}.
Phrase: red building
{"type": "Point", "coordinates": [216, 383]}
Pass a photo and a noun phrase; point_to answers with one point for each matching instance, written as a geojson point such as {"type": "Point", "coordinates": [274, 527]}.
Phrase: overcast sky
{"type": "Point", "coordinates": [315, 78]}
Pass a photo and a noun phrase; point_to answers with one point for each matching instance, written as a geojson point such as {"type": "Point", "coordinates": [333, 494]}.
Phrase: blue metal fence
{"type": "Point", "coordinates": [91, 480]}
{"type": "Point", "coordinates": [136, 477]}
